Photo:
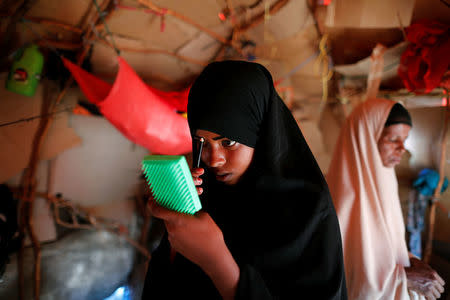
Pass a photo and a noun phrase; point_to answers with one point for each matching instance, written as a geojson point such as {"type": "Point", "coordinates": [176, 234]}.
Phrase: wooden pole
{"type": "Point", "coordinates": [437, 191]}
{"type": "Point", "coordinates": [27, 197]}
{"type": "Point", "coordinates": [28, 181]}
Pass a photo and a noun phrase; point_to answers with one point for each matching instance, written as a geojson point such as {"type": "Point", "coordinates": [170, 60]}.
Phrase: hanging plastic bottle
{"type": "Point", "coordinates": [25, 72]}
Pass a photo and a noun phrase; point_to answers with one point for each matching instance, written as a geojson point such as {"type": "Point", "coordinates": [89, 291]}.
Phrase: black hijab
{"type": "Point", "coordinates": [278, 221]}
{"type": "Point", "coordinates": [237, 99]}
{"type": "Point", "coordinates": [398, 115]}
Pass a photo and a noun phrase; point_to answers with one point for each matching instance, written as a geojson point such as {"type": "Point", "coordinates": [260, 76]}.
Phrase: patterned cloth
{"type": "Point", "coordinates": [416, 214]}
{"type": "Point", "coordinates": [424, 186]}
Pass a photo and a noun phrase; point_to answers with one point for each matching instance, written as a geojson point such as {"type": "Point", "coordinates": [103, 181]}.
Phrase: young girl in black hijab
{"type": "Point", "coordinates": [268, 228]}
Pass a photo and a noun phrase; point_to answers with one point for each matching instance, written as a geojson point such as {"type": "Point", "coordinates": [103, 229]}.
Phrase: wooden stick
{"type": "Point", "coordinates": [37, 253]}
{"type": "Point", "coordinates": [238, 28]}
{"type": "Point", "coordinates": [28, 195]}
{"type": "Point", "coordinates": [376, 71]}
{"type": "Point", "coordinates": [48, 22]}
{"type": "Point", "coordinates": [437, 191]}
{"type": "Point", "coordinates": [59, 45]}
{"type": "Point", "coordinates": [157, 51]}
{"type": "Point", "coordinates": [160, 10]}
{"type": "Point", "coordinates": [28, 185]}
{"type": "Point", "coordinates": [94, 222]}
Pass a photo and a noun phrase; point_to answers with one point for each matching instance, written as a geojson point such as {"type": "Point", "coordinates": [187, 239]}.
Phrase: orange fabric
{"type": "Point", "coordinates": [145, 115]}
{"type": "Point", "coordinates": [365, 194]}
{"type": "Point", "coordinates": [80, 110]}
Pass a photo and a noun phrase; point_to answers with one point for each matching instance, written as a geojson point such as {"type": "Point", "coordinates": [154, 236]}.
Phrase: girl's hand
{"type": "Point", "coordinates": [196, 173]}
{"type": "Point", "coordinates": [196, 237]}
{"type": "Point", "coordinates": [199, 239]}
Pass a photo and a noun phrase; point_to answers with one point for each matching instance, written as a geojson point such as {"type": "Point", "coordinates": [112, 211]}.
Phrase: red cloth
{"type": "Point", "coordinates": [145, 115]}
{"type": "Point", "coordinates": [427, 57]}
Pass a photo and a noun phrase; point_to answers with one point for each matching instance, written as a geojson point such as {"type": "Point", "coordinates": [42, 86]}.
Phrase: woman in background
{"type": "Point", "coordinates": [268, 228]}
{"type": "Point", "coordinates": [364, 190]}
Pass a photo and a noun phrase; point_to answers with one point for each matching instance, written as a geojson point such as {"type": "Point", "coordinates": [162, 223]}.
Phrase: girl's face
{"type": "Point", "coordinates": [391, 144]}
{"type": "Point", "coordinates": [226, 158]}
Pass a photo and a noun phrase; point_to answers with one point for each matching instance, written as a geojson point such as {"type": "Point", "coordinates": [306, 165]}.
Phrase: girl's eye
{"type": "Point", "coordinates": [228, 143]}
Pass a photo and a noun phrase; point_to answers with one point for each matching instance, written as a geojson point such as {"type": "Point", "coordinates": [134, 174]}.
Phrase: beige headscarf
{"type": "Point", "coordinates": [365, 194]}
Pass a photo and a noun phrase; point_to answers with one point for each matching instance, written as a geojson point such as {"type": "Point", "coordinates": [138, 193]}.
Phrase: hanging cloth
{"type": "Point", "coordinates": [145, 115]}
{"type": "Point", "coordinates": [417, 206]}
{"type": "Point", "coordinates": [425, 60]}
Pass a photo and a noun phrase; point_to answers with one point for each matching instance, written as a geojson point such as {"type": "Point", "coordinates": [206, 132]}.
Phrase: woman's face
{"type": "Point", "coordinates": [391, 144]}
{"type": "Point", "coordinates": [226, 158]}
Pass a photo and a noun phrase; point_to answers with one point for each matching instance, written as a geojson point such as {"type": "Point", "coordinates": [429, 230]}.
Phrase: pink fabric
{"type": "Point", "coordinates": [365, 194]}
{"type": "Point", "coordinates": [143, 114]}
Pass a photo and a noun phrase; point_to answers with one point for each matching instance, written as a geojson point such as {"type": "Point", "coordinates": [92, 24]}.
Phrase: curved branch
{"type": "Point", "coordinates": [59, 45]}
{"type": "Point", "coordinates": [163, 11]}
{"type": "Point", "coordinates": [48, 22]}
{"type": "Point", "coordinates": [94, 223]}
{"type": "Point", "coordinates": [157, 51]}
